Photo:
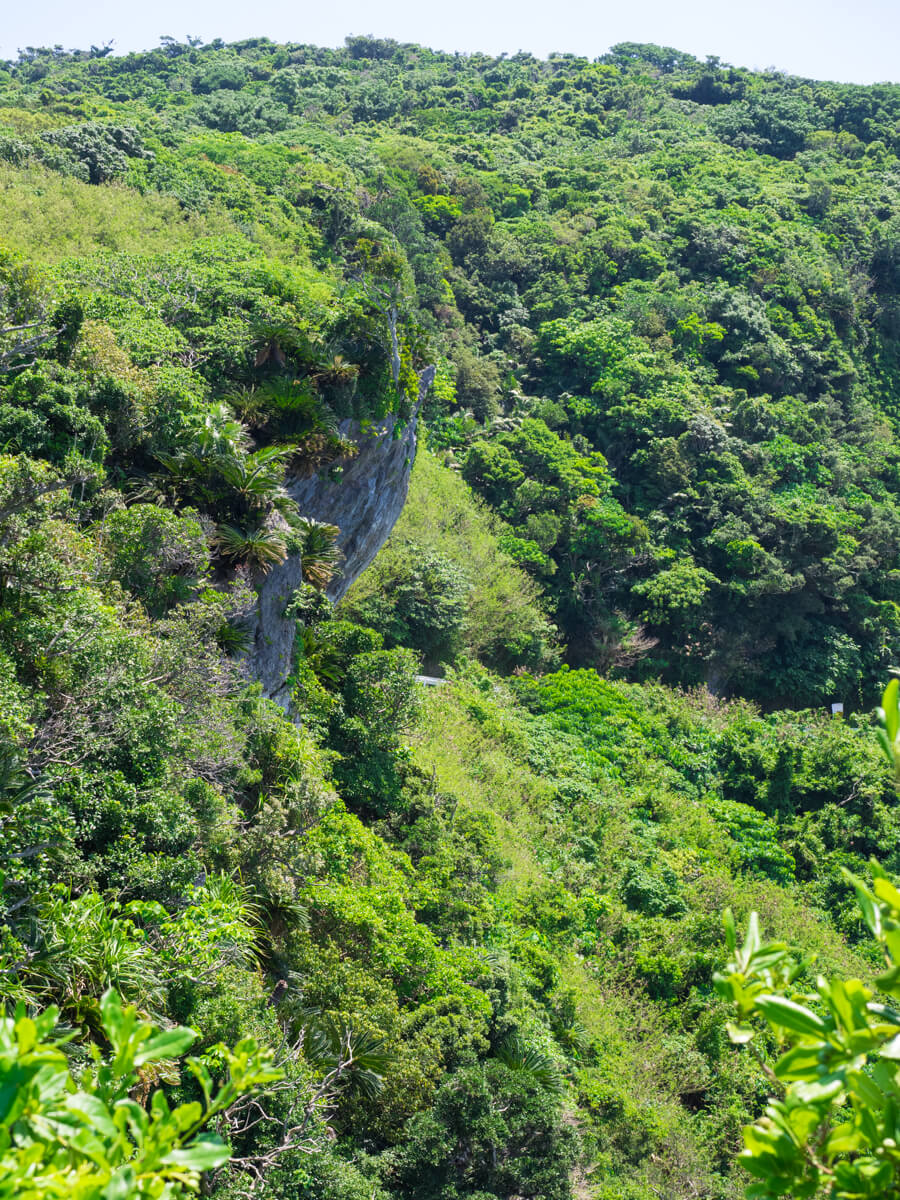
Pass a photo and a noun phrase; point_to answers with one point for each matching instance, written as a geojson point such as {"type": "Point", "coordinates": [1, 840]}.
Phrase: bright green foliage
{"type": "Point", "coordinates": [674, 277]}
{"type": "Point", "coordinates": [479, 921]}
{"type": "Point", "coordinates": [157, 554]}
{"type": "Point", "coordinates": [833, 1124]}
{"type": "Point", "coordinates": [83, 1136]}
{"type": "Point", "coordinates": [621, 842]}
{"type": "Point", "coordinates": [889, 723]}
{"type": "Point", "coordinates": [496, 614]}
{"type": "Point", "coordinates": [422, 604]}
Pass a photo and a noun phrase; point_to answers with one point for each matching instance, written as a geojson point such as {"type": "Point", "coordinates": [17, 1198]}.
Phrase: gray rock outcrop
{"type": "Point", "coordinates": [363, 495]}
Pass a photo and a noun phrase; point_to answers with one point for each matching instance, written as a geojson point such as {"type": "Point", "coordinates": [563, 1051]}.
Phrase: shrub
{"type": "Point", "coordinates": [159, 555]}
{"type": "Point", "coordinates": [76, 1138]}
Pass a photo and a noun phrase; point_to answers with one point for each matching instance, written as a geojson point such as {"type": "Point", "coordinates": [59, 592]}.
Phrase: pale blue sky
{"type": "Point", "coordinates": [851, 40]}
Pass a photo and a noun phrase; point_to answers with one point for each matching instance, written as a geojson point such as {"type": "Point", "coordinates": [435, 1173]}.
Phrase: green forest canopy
{"type": "Point", "coordinates": [655, 532]}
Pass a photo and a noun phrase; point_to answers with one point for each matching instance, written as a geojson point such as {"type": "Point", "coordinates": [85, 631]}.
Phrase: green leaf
{"type": "Point", "coordinates": [844, 1139]}
{"type": "Point", "coordinates": [802, 1062]}
{"type": "Point", "coordinates": [767, 956]}
{"type": "Point", "coordinates": [888, 981]}
{"type": "Point", "coordinates": [778, 1010]}
{"type": "Point", "coordinates": [202, 1075]}
{"type": "Point", "coordinates": [122, 1186]}
{"type": "Point", "coordinates": [752, 940]}
{"type": "Point", "coordinates": [93, 1112]}
{"type": "Point", "coordinates": [886, 745]}
{"type": "Point", "coordinates": [885, 891]}
{"type": "Point", "coordinates": [116, 1022]}
{"type": "Point", "coordinates": [828, 1088]}
{"type": "Point", "coordinates": [871, 910]}
{"type": "Point", "coordinates": [739, 1034]}
{"type": "Point", "coordinates": [170, 1044]}
{"type": "Point", "coordinates": [186, 1115]}
{"type": "Point", "coordinates": [26, 1034]}
{"type": "Point", "coordinates": [890, 706]}
{"type": "Point", "coordinates": [204, 1154]}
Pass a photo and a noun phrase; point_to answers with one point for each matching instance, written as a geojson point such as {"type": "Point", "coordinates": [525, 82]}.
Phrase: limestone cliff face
{"type": "Point", "coordinates": [367, 498]}
{"type": "Point", "coordinates": [363, 495]}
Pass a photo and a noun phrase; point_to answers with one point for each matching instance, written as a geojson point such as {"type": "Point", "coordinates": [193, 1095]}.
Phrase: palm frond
{"type": "Point", "coordinates": [515, 1054]}
{"type": "Point", "coordinates": [256, 478]}
{"type": "Point", "coordinates": [292, 408]}
{"type": "Point", "coordinates": [337, 371]}
{"type": "Point", "coordinates": [233, 637]}
{"type": "Point", "coordinates": [79, 948]}
{"type": "Point", "coordinates": [261, 548]}
{"type": "Point", "coordinates": [18, 785]}
{"type": "Point", "coordinates": [275, 340]}
{"type": "Point", "coordinates": [354, 1058]}
{"type": "Point", "coordinates": [319, 551]}
{"type": "Point", "coordinates": [217, 431]}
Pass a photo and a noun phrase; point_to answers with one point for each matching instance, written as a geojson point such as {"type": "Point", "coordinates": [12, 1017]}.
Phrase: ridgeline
{"type": "Point", "coordinates": [627, 330]}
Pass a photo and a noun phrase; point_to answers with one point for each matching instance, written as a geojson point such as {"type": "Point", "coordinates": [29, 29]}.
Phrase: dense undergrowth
{"type": "Point", "coordinates": [476, 926]}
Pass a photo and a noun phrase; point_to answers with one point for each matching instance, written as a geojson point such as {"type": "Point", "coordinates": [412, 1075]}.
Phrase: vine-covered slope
{"type": "Point", "coordinates": [652, 530]}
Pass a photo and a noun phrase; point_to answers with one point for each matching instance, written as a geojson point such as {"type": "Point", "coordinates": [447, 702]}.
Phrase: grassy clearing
{"type": "Point", "coordinates": [47, 217]}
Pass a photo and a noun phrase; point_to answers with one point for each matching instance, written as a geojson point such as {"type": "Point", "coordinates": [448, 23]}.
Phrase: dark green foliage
{"type": "Point", "coordinates": [158, 555]}
{"type": "Point", "coordinates": [491, 1132]}
{"type": "Point", "coordinates": [422, 605]}
{"type": "Point", "coordinates": [103, 150]}
{"type": "Point", "coordinates": [478, 922]}
{"type": "Point", "coordinates": [697, 284]}
{"type": "Point", "coordinates": [46, 413]}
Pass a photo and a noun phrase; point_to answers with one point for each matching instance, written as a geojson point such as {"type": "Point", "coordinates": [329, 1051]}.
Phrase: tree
{"type": "Point", "coordinates": [103, 149]}
{"type": "Point", "coordinates": [159, 555]}
{"type": "Point", "coordinates": [422, 603]}
{"type": "Point", "coordinates": [495, 1129]}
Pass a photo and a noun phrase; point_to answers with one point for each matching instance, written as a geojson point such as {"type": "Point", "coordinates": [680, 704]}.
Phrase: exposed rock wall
{"type": "Point", "coordinates": [364, 502]}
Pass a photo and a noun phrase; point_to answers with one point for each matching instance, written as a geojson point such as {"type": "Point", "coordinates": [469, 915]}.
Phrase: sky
{"type": "Point", "coordinates": [854, 41]}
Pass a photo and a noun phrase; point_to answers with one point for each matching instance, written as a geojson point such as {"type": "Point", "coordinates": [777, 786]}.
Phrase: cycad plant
{"type": "Point", "coordinates": [234, 637]}
{"type": "Point", "coordinates": [297, 401]}
{"type": "Point", "coordinates": [516, 1055]}
{"type": "Point", "coordinates": [217, 432]}
{"type": "Point", "coordinates": [337, 372]}
{"type": "Point", "coordinates": [18, 786]}
{"type": "Point", "coordinates": [321, 657]}
{"type": "Point", "coordinates": [188, 476]}
{"type": "Point", "coordinates": [347, 1057]}
{"type": "Point", "coordinates": [215, 469]}
{"type": "Point", "coordinates": [285, 408]}
{"type": "Point", "coordinates": [319, 552]}
{"type": "Point", "coordinates": [256, 479]}
{"type": "Point", "coordinates": [277, 341]}
{"type": "Point", "coordinates": [260, 549]}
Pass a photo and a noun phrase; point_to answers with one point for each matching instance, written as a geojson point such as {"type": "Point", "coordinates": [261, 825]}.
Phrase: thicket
{"type": "Point", "coordinates": [663, 292]}
{"type": "Point", "coordinates": [476, 927]}
{"type": "Point", "coordinates": [446, 585]}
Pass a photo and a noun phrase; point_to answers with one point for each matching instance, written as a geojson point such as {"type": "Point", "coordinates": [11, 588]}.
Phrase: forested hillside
{"type": "Point", "coordinates": [456, 942]}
